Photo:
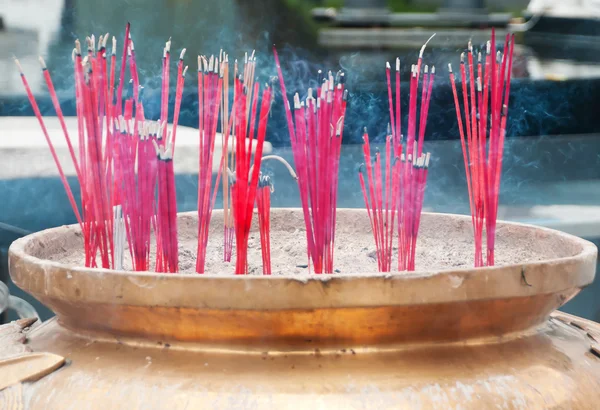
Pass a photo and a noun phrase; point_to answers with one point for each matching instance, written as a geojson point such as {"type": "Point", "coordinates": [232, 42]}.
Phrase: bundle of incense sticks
{"type": "Point", "coordinates": [116, 167]}
{"type": "Point", "coordinates": [316, 129]}
{"type": "Point", "coordinates": [381, 199]}
{"type": "Point", "coordinates": [414, 164]}
{"type": "Point", "coordinates": [228, 160]}
{"type": "Point", "coordinates": [263, 204]}
{"type": "Point", "coordinates": [402, 181]}
{"type": "Point", "coordinates": [485, 103]}
{"type": "Point", "coordinates": [247, 167]}
{"type": "Point", "coordinates": [210, 84]}
{"type": "Point", "coordinates": [135, 167]}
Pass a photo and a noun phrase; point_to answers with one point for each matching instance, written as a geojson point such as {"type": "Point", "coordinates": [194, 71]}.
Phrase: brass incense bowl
{"type": "Point", "coordinates": [429, 339]}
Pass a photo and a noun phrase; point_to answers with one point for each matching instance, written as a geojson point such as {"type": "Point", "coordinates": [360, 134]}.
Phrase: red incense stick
{"type": "Point", "coordinates": [263, 203]}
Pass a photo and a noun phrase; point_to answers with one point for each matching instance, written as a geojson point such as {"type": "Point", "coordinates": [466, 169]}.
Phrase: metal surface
{"type": "Point", "coordinates": [550, 369]}
{"type": "Point", "coordinates": [469, 338]}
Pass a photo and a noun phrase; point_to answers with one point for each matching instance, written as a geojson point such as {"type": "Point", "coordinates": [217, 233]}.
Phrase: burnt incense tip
{"type": "Point", "coordinates": [42, 62]}
{"type": "Point", "coordinates": [504, 110]}
{"type": "Point", "coordinates": [479, 57]}
{"type": "Point", "coordinates": [432, 69]}
{"type": "Point", "coordinates": [462, 58]}
{"type": "Point", "coordinates": [365, 130]}
{"type": "Point", "coordinates": [184, 71]}
{"type": "Point", "coordinates": [488, 47]}
{"type": "Point", "coordinates": [345, 95]}
{"type": "Point", "coordinates": [389, 128]}
{"type": "Point", "coordinates": [182, 54]}
{"type": "Point", "coordinates": [387, 65]}
{"type": "Point", "coordinates": [427, 158]}
{"type": "Point", "coordinates": [470, 46]}
{"type": "Point", "coordinates": [156, 148]}
{"type": "Point", "coordinates": [426, 69]}
{"type": "Point", "coordinates": [114, 46]}
{"type": "Point", "coordinates": [450, 68]}
{"type": "Point", "coordinates": [18, 65]}
{"type": "Point", "coordinates": [425, 45]}
{"type": "Point", "coordinates": [340, 123]}
{"type": "Point", "coordinates": [397, 63]}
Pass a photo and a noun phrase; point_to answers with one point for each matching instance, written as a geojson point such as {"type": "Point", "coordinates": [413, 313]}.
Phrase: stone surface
{"type": "Point", "coordinates": [26, 153]}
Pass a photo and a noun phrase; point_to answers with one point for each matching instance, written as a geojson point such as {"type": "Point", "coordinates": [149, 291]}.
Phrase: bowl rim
{"type": "Point", "coordinates": [303, 291]}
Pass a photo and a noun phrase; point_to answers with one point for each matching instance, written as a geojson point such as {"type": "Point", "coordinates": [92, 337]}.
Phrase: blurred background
{"type": "Point", "coordinates": [551, 174]}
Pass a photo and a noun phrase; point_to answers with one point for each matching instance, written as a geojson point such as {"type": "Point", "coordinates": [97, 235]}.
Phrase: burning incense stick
{"type": "Point", "coordinates": [316, 128]}
{"type": "Point", "coordinates": [485, 108]}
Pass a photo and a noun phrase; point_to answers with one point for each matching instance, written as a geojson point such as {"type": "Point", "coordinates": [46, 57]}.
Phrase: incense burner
{"type": "Point", "coordinates": [468, 338]}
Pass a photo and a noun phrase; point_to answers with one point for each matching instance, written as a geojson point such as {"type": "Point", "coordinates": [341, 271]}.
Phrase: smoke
{"type": "Point", "coordinates": [537, 108]}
